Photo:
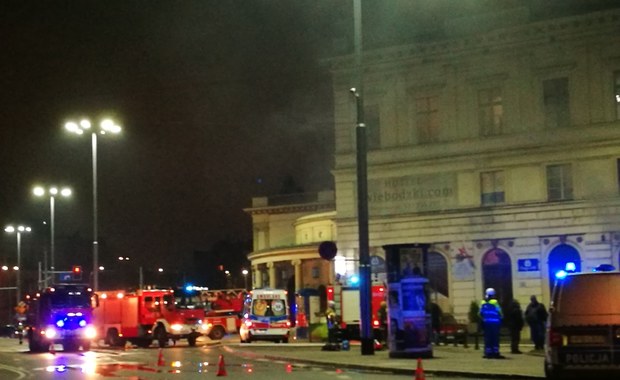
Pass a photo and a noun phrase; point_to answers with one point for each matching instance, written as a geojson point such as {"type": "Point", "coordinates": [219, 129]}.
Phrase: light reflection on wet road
{"type": "Point", "coordinates": [152, 363]}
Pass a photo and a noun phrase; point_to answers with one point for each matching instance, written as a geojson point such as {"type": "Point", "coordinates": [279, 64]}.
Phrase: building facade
{"type": "Point", "coordinates": [287, 231]}
{"type": "Point", "coordinates": [500, 149]}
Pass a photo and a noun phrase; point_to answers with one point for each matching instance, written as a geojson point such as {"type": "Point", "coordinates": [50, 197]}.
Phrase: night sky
{"type": "Point", "coordinates": [219, 100]}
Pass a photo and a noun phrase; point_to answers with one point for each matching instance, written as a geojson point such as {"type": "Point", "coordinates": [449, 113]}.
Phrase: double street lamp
{"type": "Point", "coordinates": [105, 126]}
{"type": "Point", "coordinates": [53, 192]}
{"type": "Point", "coordinates": [18, 231]}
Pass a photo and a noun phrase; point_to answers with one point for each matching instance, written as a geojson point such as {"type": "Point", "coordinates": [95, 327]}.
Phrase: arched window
{"type": "Point", "coordinates": [559, 257]}
{"type": "Point", "coordinates": [497, 274]}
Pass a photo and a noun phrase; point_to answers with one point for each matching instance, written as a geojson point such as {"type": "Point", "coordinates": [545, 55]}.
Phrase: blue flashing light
{"type": "Point", "coordinates": [189, 287]}
{"type": "Point", "coordinates": [60, 323]}
{"type": "Point", "coordinates": [560, 275]}
{"type": "Point", "coordinates": [604, 268]}
{"type": "Point", "coordinates": [83, 323]}
{"type": "Point", "coordinates": [355, 279]}
{"type": "Point", "coordinates": [570, 266]}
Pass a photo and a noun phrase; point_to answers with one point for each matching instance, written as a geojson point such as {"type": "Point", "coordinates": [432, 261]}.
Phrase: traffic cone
{"type": "Point", "coordinates": [419, 372]}
{"type": "Point", "coordinates": [221, 367]}
{"type": "Point", "coordinates": [160, 358]}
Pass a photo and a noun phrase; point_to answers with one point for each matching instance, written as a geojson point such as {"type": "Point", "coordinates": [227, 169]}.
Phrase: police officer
{"type": "Point", "coordinates": [491, 317]}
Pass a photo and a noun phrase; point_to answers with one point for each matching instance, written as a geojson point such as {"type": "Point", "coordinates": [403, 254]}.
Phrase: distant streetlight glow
{"type": "Point", "coordinates": [53, 191]}
{"type": "Point", "coordinates": [105, 126]}
{"type": "Point", "coordinates": [18, 231]}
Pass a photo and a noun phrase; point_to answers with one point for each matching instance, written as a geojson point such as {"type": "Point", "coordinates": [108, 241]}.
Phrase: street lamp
{"type": "Point", "coordinates": [245, 278]}
{"type": "Point", "coordinates": [53, 191]}
{"type": "Point", "coordinates": [105, 126]}
{"type": "Point", "coordinates": [18, 231]}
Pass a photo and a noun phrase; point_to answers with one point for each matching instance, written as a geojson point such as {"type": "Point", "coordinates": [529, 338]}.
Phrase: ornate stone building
{"type": "Point", "coordinates": [500, 148]}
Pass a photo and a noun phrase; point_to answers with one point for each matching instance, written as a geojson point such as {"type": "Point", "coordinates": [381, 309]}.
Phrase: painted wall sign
{"type": "Point", "coordinates": [416, 193]}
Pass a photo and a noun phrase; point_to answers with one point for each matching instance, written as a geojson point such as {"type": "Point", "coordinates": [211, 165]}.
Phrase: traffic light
{"type": "Point", "coordinates": [77, 272]}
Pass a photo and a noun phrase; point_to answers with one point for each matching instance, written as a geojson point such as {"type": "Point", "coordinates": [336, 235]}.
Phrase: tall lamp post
{"type": "Point", "coordinates": [18, 231]}
{"type": "Point", "coordinates": [53, 191]}
{"type": "Point", "coordinates": [105, 126]}
{"type": "Point", "coordinates": [245, 278]}
{"type": "Point", "coordinates": [366, 338]}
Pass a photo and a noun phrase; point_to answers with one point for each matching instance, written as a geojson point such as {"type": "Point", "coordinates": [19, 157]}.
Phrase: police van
{"type": "Point", "coordinates": [583, 329]}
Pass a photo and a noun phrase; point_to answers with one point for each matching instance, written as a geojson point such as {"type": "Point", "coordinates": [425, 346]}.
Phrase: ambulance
{"type": "Point", "coordinates": [265, 316]}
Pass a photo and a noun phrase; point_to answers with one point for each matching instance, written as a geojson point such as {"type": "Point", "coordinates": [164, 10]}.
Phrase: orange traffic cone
{"type": "Point", "coordinates": [419, 372]}
{"type": "Point", "coordinates": [221, 367]}
{"type": "Point", "coordinates": [160, 359]}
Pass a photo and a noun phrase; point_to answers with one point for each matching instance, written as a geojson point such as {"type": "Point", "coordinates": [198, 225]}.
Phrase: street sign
{"type": "Point", "coordinates": [528, 265]}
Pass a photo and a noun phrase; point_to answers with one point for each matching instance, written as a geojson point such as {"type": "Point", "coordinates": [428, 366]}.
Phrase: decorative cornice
{"type": "Point", "coordinates": [286, 209]}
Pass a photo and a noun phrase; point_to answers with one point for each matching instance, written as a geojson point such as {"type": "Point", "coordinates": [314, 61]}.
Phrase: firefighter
{"type": "Point", "coordinates": [491, 317]}
{"type": "Point", "coordinates": [332, 324]}
{"type": "Point", "coordinates": [20, 320]}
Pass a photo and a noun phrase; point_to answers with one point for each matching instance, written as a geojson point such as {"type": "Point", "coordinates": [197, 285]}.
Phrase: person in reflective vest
{"type": "Point", "coordinates": [491, 317]}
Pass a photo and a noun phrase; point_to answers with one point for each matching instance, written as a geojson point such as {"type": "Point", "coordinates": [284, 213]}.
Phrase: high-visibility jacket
{"type": "Point", "coordinates": [490, 311]}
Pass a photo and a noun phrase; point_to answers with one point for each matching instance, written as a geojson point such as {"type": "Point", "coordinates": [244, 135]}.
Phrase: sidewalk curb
{"type": "Point", "coordinates": [396, 371]}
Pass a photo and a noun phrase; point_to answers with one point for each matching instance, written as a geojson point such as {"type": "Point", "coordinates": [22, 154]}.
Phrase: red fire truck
{"type": "Point", "coordinates": [223, 309]}
{"type": "Point", "coordinates": [347, 302]}
{"type": "Point", "coordinates": [142, 316]}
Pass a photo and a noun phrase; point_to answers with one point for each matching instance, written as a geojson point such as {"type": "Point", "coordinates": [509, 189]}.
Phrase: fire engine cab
{"type": "Point", "coordinates": [145, 315]}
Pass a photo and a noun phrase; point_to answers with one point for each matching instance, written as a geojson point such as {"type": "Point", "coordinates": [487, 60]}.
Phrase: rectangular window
{"type": "Point", "coordinates": [556, 104]}
{"type": "Point", "coordinates": [559, 182]}
{"type": "Point", "coordinates": [490, 111]}
{"type": "Point", "coordinates": [372, 119]}
{"type": "Point", "coordinates": [427, 118]}
{"type": "Point", "coordinates": [492, 188]}
{"type": "Point", "coordinates": [617, 93]}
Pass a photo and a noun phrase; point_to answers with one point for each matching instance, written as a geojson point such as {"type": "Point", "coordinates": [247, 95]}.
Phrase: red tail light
{"type": "Point", "coordinates": [554, 339]}
{"type": "Point", "coordinates": [375, 323]}
{"type": "Point", "coordinates": [288, 323]}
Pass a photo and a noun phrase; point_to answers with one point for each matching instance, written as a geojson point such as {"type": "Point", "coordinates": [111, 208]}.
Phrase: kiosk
{"type": "Point", "coordinates": [409, 320]}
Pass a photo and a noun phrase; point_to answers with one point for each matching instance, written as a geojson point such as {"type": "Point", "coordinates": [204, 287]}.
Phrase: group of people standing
{"type": "Point", "coordinates": [491, 316]}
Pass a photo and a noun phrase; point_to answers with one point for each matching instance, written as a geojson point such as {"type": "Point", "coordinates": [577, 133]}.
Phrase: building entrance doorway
{"type": "Point", "coordinates": [497, 274]}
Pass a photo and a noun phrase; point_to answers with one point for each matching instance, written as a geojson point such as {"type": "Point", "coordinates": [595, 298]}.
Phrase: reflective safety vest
{"type": "Point", "coordinates": [490, 311]}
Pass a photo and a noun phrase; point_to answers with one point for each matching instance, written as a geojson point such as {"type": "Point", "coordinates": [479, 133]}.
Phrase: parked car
{"type": "Point", "coordinates": [451, 331]}
{"type": "Point", "coordinates": [8, 331]}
